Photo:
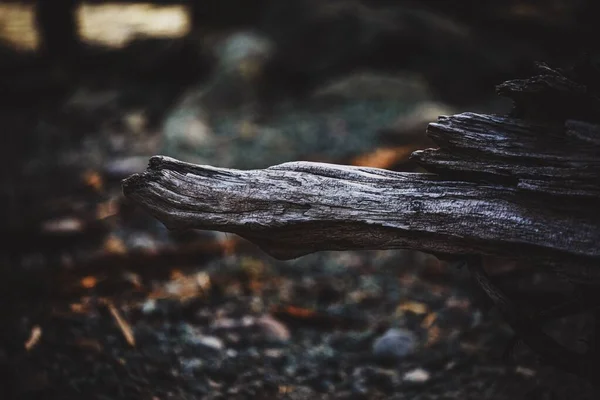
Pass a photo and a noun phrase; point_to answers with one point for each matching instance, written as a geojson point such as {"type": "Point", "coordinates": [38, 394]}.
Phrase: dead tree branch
{"type": "Point", "coordinates": [298, 208]}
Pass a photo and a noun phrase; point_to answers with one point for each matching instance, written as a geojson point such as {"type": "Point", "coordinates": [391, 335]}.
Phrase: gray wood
{"type": "Point", "coordinates": [298, 208]}
{"type": "Point", "coordinates": [548, 159]}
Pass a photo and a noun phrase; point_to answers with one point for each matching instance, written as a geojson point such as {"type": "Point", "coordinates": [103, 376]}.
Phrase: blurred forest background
{"type": "Point", "coordinates": [99, 300]}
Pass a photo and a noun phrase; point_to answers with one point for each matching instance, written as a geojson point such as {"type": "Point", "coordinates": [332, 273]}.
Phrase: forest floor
{"type": "Point", "coordinates": [103, 302]}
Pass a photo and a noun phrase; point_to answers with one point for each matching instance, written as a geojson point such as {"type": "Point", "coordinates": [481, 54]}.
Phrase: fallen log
{"type": "Point", "coordinates": [524, 186]}
{"type": "Point", "coordinates": [297, 208]}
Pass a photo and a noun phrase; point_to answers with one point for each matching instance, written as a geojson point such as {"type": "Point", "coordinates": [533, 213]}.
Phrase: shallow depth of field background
{"type": "Point", "coordinates": [99, 300]}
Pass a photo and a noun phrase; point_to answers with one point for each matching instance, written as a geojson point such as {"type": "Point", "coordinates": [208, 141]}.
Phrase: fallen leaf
{"type": "Point", "coordinates": [114, 245]}
{"type": "Point", "coordinates": [89, 344]}
{"type": "Point", "coordinates": [253, 267]}
{"type": "Point", "coordinates": [89, 282]}
{"type": "Point", "coordinates": [413, 307]}
{"type": "Point", "coordinates": [429, 320]}
{"type": "Point", "coordinates": [93, 180]}
{"type": "Point", "coordinates": [285, 389]}
{"type": "Point", "coordinates": [299, 312]}
{"type": "Point", "coordinates": [434, 334]}
{"type": "Point", "coordinates": [176, 274]}
{"type": "Point", "coordinates": [123, 325]}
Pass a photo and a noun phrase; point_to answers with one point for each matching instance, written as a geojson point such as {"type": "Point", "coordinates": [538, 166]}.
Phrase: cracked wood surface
{"type": "Point", "coordinates": [297, 208]}
{"type": "Point", "coordinates": [557, 160]}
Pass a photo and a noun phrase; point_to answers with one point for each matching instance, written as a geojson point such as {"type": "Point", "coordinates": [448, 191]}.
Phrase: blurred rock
{"type": "Point", "coordinates": [192, 364]}
{"type": "Point", "coordinates": [265, 326]}
{"type": "Point", "coordinates": [395, 344]}
{"type": "Point", "coordinates": [149, 306]}
{"type": "Point", "coordinates": [120, 168]}
{"type": "Point", "coordinates": [418, 375]}
{"type": "Point", "coordinates": [273, 329]}
{"type": "Point", "coordinates": [63, 225]}
{"type": "Point", "coordinates": [195, 338]}
{"type": "Point", "coordinates": [142, 241]}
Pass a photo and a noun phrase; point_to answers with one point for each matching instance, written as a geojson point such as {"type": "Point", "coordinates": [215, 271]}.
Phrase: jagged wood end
{"type": "Point", "coordinates": [297, 208]}
{"type": "Point", "coordinates": [561, 161]}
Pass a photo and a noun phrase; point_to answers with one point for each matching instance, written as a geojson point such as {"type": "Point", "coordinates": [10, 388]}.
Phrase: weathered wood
{"type": "Point", "coordinates": [542, 158]}
{"type": "Point", "coordinates": [298, 208]}
{"type": "Point", "coordinates": [524, 187]}
{"type": "Point", "coordinates": [585, 132]}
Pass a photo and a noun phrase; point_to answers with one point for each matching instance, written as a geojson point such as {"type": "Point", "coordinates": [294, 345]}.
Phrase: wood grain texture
{"type": "Point", "coordinates": [298, 208]}
{"type": "Point", "coordinates": [548, 159]}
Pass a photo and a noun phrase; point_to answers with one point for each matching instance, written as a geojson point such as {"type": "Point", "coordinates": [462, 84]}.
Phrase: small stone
{"type": "Point", "coordinates": [210, 341]}
{"type": "Point", "coordinates": [231, 353]}
{"type": "Point", "coordinates": [142, 241]}
{"type": "Point", "coordinates": [124, 166]}
{"type": "Point", "coordinates": [64, 225]}
{"type": "Point", "coordinates": [418, 375]}
{"type": "Point", "coordinates": [192, 364]}
{"type": "Point", "coordinates": [395, 344]}
{"type": "Point", "coordinates": [273, 329]}
{"type": "Point", "coordinates": [149, 306]}
{"type": "Point", "coordinates": [224, 324]}
{"type": "Point", "coordinates": [195, 338]}
{"type": "Point", "coordinates": [274, 353]}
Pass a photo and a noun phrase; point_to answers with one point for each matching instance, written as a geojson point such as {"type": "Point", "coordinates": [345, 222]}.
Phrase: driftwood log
{"type": "Point", "coordinates": [524, 186]}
